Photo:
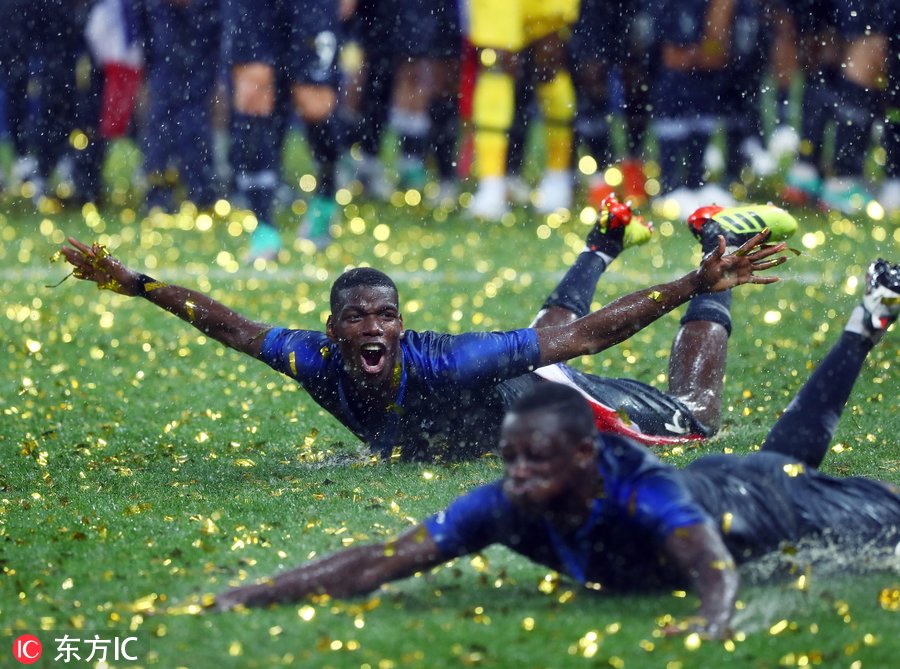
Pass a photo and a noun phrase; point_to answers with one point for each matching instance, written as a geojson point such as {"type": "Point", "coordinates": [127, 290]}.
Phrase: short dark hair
{"type": "Point", "coordinates": [358, 276]}
{"type": "Point", "coordinates": [571, 409]}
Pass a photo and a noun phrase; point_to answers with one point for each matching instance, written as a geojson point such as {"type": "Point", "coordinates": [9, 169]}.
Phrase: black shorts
{"type": "Point", "coordinates": [850, 18]}
{"type": "Point", "coordinates": [604, 31]}
{"type": "Point", "coordinates": [770, 498]}
{"type": "Point", "coordinates": [648, 410]}
{"type": "Point", "coordinates": [299, 38]}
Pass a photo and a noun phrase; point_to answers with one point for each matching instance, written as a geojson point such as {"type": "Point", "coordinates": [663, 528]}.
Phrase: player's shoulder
{"type": "Point", "coordinates": [284, 337]}
{"type": "Point", "coordinates": [621, 457]}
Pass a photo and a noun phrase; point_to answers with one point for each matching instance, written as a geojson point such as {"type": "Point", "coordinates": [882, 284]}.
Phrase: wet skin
{"type": "Point", "coordinates": [545, 472]}
{"type": "Point", "coordinates": [368, 328]}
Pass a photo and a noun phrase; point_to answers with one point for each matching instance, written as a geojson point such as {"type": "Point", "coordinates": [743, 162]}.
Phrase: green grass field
{"type": "Point", "coordinates": [145, 466]}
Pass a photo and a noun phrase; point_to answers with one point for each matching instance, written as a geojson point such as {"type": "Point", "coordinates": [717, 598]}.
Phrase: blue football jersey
{"type": "Point", "coordinates": [448, 395]}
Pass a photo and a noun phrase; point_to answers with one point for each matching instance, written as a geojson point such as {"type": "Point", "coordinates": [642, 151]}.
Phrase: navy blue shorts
{"type": "Point", "coordinates": [411, 28]}
{"type": "Point", "coordinates": [605, 31]}
{"type": "Point", "coordinates": [429, 29]}
{"type": "Point", "coordinates": [850, 18]}
{"type": "Point", "coordinates": [299, 38]}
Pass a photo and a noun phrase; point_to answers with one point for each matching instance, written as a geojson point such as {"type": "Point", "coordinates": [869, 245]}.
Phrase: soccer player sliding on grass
{"type": "Point", "coordinates": [424, 394]}
{"type": "Point", "coordinates": [606, 512]}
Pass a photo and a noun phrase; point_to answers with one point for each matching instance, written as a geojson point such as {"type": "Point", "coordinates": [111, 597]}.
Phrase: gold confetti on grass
{"type": "Point", "coordinates": [889, 598]}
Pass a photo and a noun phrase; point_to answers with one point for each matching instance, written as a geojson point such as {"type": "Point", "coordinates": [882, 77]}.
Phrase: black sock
{"type": "Point", "coordinates": [254, 156]}
{"type": "Point", "coordinates": [807, 425]}
{"type": "Point", "coordinates": [712, 307]}
{"type": "Point", "coordinates": [322, 141]}
{"type": "Point", "coordinates": [591, 128]}
{"type": "Point", "coordinates": [782, 106]}
{"type": "Point", "coordinates": [696, 169]}
{"type": "Point", "coordinates": [818, 99]}
{"type": "Point", "coordinates": [375, 104]}
{"type": "Point", "coordinates": [576, 290]}
{"type": "Point", "coordinates": [735, 136]}
{"type": "Point", "coordinates": [444, 114]}
{"type": "Point", "coordinates": [854, 117]}
{"type": "Point", "coordinates": [891, 143]}
{"type": "Point", "coordinates": [671, 151]}
{"type": "Point", "coordinates": [518, 131]}
{"type": "Point", "coordinates": [414, 146]}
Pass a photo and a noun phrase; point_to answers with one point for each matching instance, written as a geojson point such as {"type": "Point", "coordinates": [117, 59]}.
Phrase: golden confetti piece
{"type": "Point", "coordinates": [59, 283]}
{"type": "Point", "coordinates": [692, 641]}
{"type": "Point", "coordinates": [306, 613]}
{"type": "Point", "coordinates": [189, 309]}
{"type": "Point", "coordinates": [889, 599]}
{"type": "Point", "coordinates": [794, 469]}
{"type": "Point", "coordinates": [244, 462]}
{"type": "Point", "coordinates": [110, 284]}
{"type": "Point", "coordinates": [479, 563]}
{"type": "Point", "coordinates": [727, 519]}
{"type": "Point", "coordinates": [145, 604]}
{"type": "Point", "coordinates": [185, 610]}
{"type": "Point", "coordinates": [549, 583]}
{"type": "Point", "coordinates": [778, 627]}
{"type": "Point", "coordinates": [655, 295]}
{"type": "Point", "coordinates": [208, 527]}
{"type": "Point", "coordinates": [150, 286]}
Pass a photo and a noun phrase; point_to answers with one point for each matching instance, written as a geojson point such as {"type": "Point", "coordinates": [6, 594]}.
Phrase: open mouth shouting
{"type": "Point", "coordinates": [373, 358]}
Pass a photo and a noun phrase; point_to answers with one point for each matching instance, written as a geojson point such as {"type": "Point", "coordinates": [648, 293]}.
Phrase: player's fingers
{"type": "Point", "coordinates": [767, 250]}
{"type": "Point", "coordinates": [78, 245]}
{"type": "Point", "coordinates": [719, 251]}
{"type": "Point", "coordinates": [767, 264]}
{"type": "Point", "coordinates": [764, 279]}
{"type": "Point", "coordinates": [73, 256]}
{"type": "Point", "coordinates": [753, 242]}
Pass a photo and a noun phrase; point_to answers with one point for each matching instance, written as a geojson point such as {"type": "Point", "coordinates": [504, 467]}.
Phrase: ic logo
{"type": "Point", "coordinates": [27, 649]}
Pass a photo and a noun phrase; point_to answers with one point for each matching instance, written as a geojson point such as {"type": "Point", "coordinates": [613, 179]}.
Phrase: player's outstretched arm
{"type": "Point", "coordinates": [94, 263]}
{"type": "Point", "coordinates": [347, 573]}
{"type": "Point", "coordinates": [701, 554]}
{"type": "Point", "coordinates": [625, 316]}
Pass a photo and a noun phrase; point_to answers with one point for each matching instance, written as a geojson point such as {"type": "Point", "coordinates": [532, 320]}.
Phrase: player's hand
{"type": "Point", "coordinates": [94, 263]}
{"type": "Point", "coordinates": [721, 271]}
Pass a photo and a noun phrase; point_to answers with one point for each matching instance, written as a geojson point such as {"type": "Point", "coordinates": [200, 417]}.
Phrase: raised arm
{"type": "Point", "coordinates": [625, 316]}
{"type": "Point", "coordinates": [701, 554]}
{"type": "Point", "coordinates": [347, 573]}
{"type": "Point", "coordinates": [94, 263]}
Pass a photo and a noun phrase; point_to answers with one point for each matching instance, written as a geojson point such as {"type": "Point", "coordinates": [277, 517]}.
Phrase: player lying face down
{"type": "Point", "coordinates": [610, 515]}
{"type": "Point", "coordinates": [422, 395]}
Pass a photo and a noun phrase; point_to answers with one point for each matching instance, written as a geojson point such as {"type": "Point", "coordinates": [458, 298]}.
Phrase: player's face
{"type": "Point", "coordinates": [540, 464]}
{"type": "Point", "coordinates": [368, 329]}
